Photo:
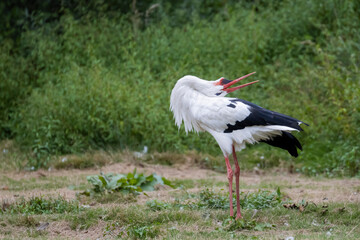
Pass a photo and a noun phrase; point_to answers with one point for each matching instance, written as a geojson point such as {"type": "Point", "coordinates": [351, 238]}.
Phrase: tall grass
{"type": "Point", "coordinates": [96, 82]}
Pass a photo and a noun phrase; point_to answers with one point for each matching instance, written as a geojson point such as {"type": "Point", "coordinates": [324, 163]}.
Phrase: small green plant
{"type": "Point", "coordinates": [230, 224]}
{"type": "Point", "coordinates": [134, 231]}
{"type": "Point", "coordinates": [156, 205]}
{"type": "Point", "coordinates": [111, 230]}
{"type": "Point", "coordinates": [40, 205]}
{"type": "Point", "coordinates": [257, 200]}
{"type": "Point", "coordinates": [212, 200]}
{"type": "Point", "coordinates": [143, 231]}
{"type": "Point", "coordinates": [261, 199]}
{"type": "Point", "coordinates": [208, 199]}
{"type": "Point", "coordinates": [130, 183]}
{"type": "Point", "coordinates": [85, 219]}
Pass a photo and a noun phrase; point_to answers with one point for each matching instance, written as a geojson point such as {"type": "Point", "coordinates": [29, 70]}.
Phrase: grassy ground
{"type": "Point", "coordinates": [46, 204]}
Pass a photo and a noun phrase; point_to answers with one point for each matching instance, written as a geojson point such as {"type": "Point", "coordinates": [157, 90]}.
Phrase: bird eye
{"type": "Point", "coordinates": [219, 82]}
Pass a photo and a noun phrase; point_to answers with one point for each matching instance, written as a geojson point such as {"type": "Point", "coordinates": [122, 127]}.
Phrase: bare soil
{"type": "Point", "coordinates": [296, 186]}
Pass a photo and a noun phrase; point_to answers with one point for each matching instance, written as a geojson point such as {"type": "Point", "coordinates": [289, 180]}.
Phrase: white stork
{"type": "Point", "coordinates": [233, 122]}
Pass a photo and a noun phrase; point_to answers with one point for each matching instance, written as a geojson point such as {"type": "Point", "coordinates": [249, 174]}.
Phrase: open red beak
{"type": "Point", "coordinates": [229, 90]}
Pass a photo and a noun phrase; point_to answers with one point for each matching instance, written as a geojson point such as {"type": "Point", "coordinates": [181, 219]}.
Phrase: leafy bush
{"type": "Point", "coordinates": [130, 183]}
{"type": "Point", "coordinates": [98, 79]}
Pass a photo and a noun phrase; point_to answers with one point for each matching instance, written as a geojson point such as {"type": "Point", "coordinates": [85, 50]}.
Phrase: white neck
{"type": "Point", "coordinates": [182, 99]}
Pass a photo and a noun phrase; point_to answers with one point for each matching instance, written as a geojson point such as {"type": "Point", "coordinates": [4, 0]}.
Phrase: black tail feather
{"type": "Point", "coordinates": [285, 141]}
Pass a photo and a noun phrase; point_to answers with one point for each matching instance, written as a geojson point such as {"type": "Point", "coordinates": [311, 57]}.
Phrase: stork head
{"type": "Point", "coordinates": [217, 88]}
{"type": "Point", "coordinates": [223, 85]}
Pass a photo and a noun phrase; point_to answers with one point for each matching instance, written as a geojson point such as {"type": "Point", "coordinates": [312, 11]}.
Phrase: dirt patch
{"type": "Point", "coordinates": [56, 230]}
{"type": "Point", "coordinates": [63, 230]}
{"type": "Point", "coordinates": [177, 172]}
{"type": "Point", "coordinates": [299, 187]}
{"type": "Point", "coordinates": [296, 186]}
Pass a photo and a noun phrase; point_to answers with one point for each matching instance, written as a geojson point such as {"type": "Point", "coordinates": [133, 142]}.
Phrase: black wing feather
{"type": "Point", "coordinates": [261, 117]}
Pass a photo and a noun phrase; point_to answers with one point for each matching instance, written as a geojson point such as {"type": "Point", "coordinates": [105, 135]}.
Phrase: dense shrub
{"type": "Point", "coordinates": [100, 80]}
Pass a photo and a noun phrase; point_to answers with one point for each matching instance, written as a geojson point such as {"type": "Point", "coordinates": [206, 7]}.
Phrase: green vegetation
{"type": "Point", "coordinates": [208, 199]}
{"type": "Point", "coordinates": [141, 232]}
{"type": "Point", "coordinates": [257, 200]}
{"type": "Point", "coordinates": [85, 219]}
{"type": "Point", "coordinates": [40, 205]}
{"type": "Point", "coordinates": [78, 76]}
{"type": "Point", "coordinates": [129, 183]}
{"type": "Point", "coordinates": [191, 212]}
{"type": "Point", "coordinates": [320, 221]}
{"type": "Point", "coordinates": [242, 224]}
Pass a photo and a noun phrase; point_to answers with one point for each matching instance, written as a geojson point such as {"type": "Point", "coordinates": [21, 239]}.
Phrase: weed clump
{"type": "Point", "coordinates": [261, 199]}
{"type": "Point", "coordinates": [40, 205]}
{"type": "Point", "coordinates": [208, 199]}
{"type": "Point", "coordinates": [130, 183]}
{"type": "Point", "coordinates": [230, 224]}
{"type": "Point", "coordinates": [256, 200]}
{"type": "Point", "coordinates": [143, 232]}
{"type": "Point", "coordinates": [156, 205]}
{"type": "Point", "coordinates": [85, 219]}
{"type": "Point", "coordinates": [133, 231]}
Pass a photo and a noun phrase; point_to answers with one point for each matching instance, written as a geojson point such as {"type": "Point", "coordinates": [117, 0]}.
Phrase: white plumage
{"type": "Point", "coordinates": [195, 103]}
{"type": "Point", "coordinates": [202, 106]}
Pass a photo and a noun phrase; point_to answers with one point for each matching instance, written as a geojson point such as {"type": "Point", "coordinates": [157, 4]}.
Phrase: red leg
{"type": "Point", "coordinates": [230, 178]}
{"type": "Point", "coordinates": [237, 182]}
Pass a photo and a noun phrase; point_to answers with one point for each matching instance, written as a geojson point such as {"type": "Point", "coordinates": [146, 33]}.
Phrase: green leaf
{"type": "Point", "coordinates": [129, 183]}
{"type": "Point", "coordinates": [116, 182]}
{"type": "Point", "coordinates": [103, 180]}
{"type": "Point", "coordinates": [141, 179]}
{"type": "Point", "coordinates": [159, 179]}
{"type": "Point", "coordinates": [278, 192]}
{"type": "Point", "coordinates": [167, 182]}
{"type": "Point", "coordinates": [148, 186]}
